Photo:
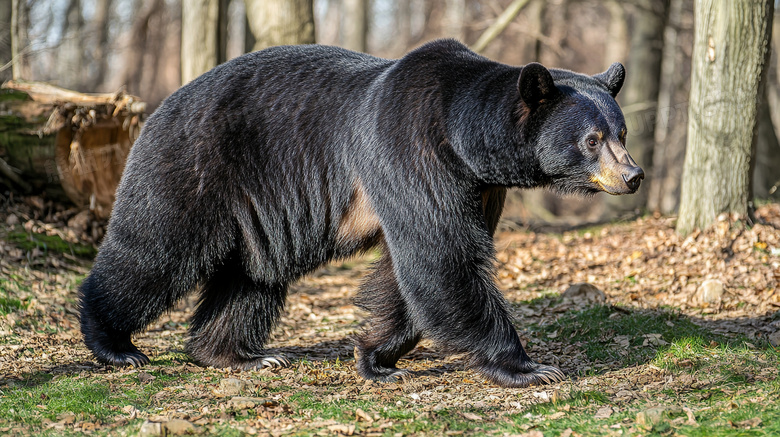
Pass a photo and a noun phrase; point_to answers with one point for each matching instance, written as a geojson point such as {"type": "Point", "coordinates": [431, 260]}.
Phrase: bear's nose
{"type": "Point", "coordinates": [633, 178]}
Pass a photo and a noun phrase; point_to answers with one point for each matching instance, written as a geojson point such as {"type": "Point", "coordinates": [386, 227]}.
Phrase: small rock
{"type": "Point", "coordinates": [243, 403]}
{"type": "Point", "coordinates": [603, 413]}
{"type": "Point", "coordinates": [651, 417]}
{"type": "Point", "coordinates": [710, 292]}
{"type": "Point", "coordinates": [749, 424]}
{"type": "Point", "coordinates": [774, 338]}
{"type": "Point", "coordinates": [12, 220]}
{"type": "Point", "coordinates": [67, 418]}
{"type": "Point", "coordinates": [180, 427]}
{"type": "Point", "coordinates": [144, 377]}
{"type": "Point", "coordinates": [584, 293]}
{"type": "Point", "coordinates": [35, 201]}
{"type": "Point", "coordinates": [150, 429]}
{"type": "Point", "coordinates": [79, 222]}
{"type": "Point", "coordinates": [232, 386]}
{"type": "Point", "coordinates": [361, 415]}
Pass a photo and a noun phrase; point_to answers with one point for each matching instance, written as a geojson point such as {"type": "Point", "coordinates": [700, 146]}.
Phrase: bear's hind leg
{"type": "Point", "coordinates": [390, 333]}
{"type": "Point", "coordinates": [234, 319]}
{"type": "Point", "coordinates": [108, 344]}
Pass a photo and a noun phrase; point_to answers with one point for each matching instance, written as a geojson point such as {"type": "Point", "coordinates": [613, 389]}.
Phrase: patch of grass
{"type": "Point", "coordinates": [623, 338]}
{"type": "Point", "coordinates": [49, 243]}
{"type": "Point", "coordinates": [337, 409]}
{"type": "Point", "coordinates": [28, 405]}
{"type": "Point", "coordinates": [9, 305]}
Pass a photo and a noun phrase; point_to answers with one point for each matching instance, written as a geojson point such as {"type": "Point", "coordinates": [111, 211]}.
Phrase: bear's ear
{"type": "Point", "coordinates": [613, 78]}
{"type": "Point", "coordinates": [536, 84]}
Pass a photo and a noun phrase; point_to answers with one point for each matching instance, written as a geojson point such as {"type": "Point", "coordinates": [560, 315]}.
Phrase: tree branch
{"type": "Point", "coordinates": [501, 23]}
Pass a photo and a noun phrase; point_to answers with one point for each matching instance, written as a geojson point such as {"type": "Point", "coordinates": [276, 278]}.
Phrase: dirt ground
{"type": "Point", "coordinates": [638, 265]}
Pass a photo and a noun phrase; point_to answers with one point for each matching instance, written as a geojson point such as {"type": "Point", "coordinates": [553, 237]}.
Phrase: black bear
{"type": "Point", "coordinates": [278, 161]}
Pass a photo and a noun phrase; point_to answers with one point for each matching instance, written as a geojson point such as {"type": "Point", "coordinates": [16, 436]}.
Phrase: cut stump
{"type": "Point", "coordinates": [66, 144]}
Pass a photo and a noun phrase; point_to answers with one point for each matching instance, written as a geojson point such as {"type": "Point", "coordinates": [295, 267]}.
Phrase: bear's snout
{"type": "Point", "coordinates": [633, 177]}
{"type": "Point", "coordinates": [618, 172]}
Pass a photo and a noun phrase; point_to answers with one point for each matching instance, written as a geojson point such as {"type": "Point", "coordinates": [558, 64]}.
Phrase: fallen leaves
{"type": "Point", "coordinates": [638, 265]}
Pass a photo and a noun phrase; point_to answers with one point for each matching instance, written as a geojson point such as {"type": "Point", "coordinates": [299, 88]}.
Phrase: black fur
{"type": "Point", "coordinates": [276, 162]}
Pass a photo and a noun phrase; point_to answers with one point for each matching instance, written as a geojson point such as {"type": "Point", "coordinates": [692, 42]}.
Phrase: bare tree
{"type": "Point", "coordinates": [19, 43]}
{"type": "Point", "coordinates": [354, 25]}
{"type": "Point", "coordinates": [280, 22]}
{"type": "Point", "coordinates": [203, 36]}
{"type": "Point", "coordinates": [640, 93]}
{"type": "Point", "coordinates": [617, 41]}
{"type": "Point", "coordinates": [6, 11]}
{"type": "Point", "coordinates": [70, 54]}
{"type": "Point", "coordinates": [455, 19]}
{"type": "Point", "coordinates": [139, 40]}
{"type": "Point", "coordinates": [100, 48]}
{"type": "Point", "coordinates": [668, 152]}
{"type": "Point", "coordinates": [730, 54]}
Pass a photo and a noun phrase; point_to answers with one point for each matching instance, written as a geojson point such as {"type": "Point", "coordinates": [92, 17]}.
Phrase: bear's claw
{"type": "Point", "coordinates": [532, 374]}
{"type": "Point", "coordinates": [272, 361]}
{"type": "Point", "coordinates": [123, 359]}
{"type": "Point", "coordinates": [275, 361]}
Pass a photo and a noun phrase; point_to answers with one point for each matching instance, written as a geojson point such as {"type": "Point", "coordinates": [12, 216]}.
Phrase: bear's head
{"type": "Point", "coordinates": [579, 129]}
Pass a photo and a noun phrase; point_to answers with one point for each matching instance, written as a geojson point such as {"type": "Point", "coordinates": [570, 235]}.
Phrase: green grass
{"type": "Point", "coordinates": [40, 397]}
{"type": "Point", "coordinates": [9, 303]}
{"type": "Point", "coordinates": [623, 338]}
{"type": "Point", "coordinates": [49, 243]}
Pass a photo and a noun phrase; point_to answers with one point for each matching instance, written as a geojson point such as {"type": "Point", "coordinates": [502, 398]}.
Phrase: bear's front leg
{"type": "Point", "coordinates": [446, 278]}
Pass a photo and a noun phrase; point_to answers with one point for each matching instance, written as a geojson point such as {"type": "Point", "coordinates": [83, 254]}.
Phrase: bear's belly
{"type": "Point", "coordinates": [359, 227]}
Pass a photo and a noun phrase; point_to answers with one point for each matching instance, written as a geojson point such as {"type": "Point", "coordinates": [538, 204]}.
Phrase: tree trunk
{"type": "Point", "coordinates": [730, 53]}
{"type": "Point", "coordinates": [617, 40]}
{"type": "Point", "coordinates": [766, 175]}
{"type": "Point", "coordinates": [203, 36]}
{"type": "Point", "coordinates": [454, 19]}
{"type": "Point", "coordinates": [66, 144]}
{"type": "Point", "coordinates": [666, 172]}
{"type": "Point", "coordinates": [138, 44]}
{"type": "Point", "coordinates": [6, 12]}
{"type": "Point", "coordinates": [280, 22]}
{"type": "Point", "coordinates": [354, 25]}
{"type": "Point", "coordinates": [70, 53]}
{"type": "Point", "coordinates": [19, 43]}
{"type": "Point", "coordinates": [99, 27]}
{"type": "Point", "coordinates": [640, 94]}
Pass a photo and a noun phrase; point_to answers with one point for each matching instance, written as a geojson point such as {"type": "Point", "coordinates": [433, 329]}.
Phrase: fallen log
{"type": "Point", "coordinates": [65, 144]}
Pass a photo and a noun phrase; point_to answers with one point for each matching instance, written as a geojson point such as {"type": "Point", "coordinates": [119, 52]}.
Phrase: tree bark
{"type": "Point", "coordinates": [280, 22]}
{"type": "Point", "coordinates": [640, 94]}
{"type": "Point", "coordinates": [203, 36]}
{"type": "Point", "coordinates": [354, 25]}
{"type": "Point", "coordinates": [731, 48]}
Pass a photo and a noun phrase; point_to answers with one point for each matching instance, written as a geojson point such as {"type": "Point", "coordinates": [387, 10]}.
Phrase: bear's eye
{"type": "Point", "coordinates": [592, 142]}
